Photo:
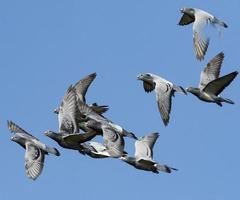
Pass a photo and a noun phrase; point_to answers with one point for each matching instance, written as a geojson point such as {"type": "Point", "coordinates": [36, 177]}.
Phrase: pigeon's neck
{"type": "Point", "coordinates": [130, 160]}
{"type": "Point", "coordinates": [195, 91]}
{"type": "Point", "coordinates": [55, 136]}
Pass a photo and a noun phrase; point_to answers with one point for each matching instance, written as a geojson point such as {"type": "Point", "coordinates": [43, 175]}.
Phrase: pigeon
{"type": "Point", "coordinates": [95, 121]}
{"type": "Point", "coordinates": [112, 133]}
{"type": "Point", "coordinates": [143, 158]}
{"type": "Point", "coordinates": [211, 85]}
{"type": "Point", "coordinates": [35, 150]}
{"type": "Point", "coordinates": [200, 20]}
{"type": "Point", "coordinates": [164, 92]}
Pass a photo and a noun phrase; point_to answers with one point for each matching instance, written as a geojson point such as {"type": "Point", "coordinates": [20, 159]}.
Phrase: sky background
{"type": "Point", "coordinates": [47, 45]}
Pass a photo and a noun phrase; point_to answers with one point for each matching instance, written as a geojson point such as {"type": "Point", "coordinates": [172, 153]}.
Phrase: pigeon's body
{"type": "Point", "coordinates": [96, 121]}
{"type": "Point", "coordinates": [143, 159]}
{"type": "Point", "coordinates": [200, 19]}
{"type": "Point", "coordinates": [164, 92]}
{"type": "Point", "coordinates": [112, 134]}
{"type": "Point", "coordinates": [211, 85]}
{"type": "Point", "coordinates": [64, 139]}
{"type": "Point", "coordinates": [35, 150]}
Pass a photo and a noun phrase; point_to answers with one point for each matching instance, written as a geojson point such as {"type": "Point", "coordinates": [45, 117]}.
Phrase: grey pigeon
{"type": "Point", "coordinates": [164, 92]}
{"type": "Point", "coordinates": [143, 158]}
{"type": "Point", "coordinates": [35, 150]}
{"type": "Point", "coordinates": [200, 19]}
{"type": "Point", "coordinates": [211, 85]}
{"type": "Point", "coordinates": [95, 121]}
{"type": "Point", "coordinates": [112, 133]}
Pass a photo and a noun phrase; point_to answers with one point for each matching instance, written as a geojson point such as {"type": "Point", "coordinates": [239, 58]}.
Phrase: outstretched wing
{"type": "Point", "coordinates": [211, 70]}
{"type": "Point", "coordinates": [200, 42]}
{"type": "Point", "coordinates": [34, 160]}
{"type": "Point", "coordinates": [14, 128]}
{"type": "Point", "coordinates": [144, 146]}
{"type": "Point", "coordinates": [82, 86]}
{"type": "Point", "coordinates": [164, 100]}
{"type": "Point", "coordinates": [218, 85]}
{"type": "Point", "coordinates": [68, 111]}
{"type": "Point", "coordinates": [113, 141]}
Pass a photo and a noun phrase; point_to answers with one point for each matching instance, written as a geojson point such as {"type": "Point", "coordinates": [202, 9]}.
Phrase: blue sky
{"type": "Point", "coordinates": [48, 45]}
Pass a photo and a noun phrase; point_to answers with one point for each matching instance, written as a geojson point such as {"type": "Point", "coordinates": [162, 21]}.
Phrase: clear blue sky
{"type": "Point", "coordinates": [47, 45]}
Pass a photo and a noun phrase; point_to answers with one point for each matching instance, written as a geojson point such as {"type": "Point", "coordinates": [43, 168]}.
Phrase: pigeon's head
{"type": "Point", "coordinates": [15, 138]}
{"type": "Point", "coordinates": [20, 140]}
{"type": "Point", "coordinates": [49, 133]}
{"type": "Point", "coordinates": [57, 110]}
{"type": "Point", "coordinates": [147, 77]}
{"type": "Point", "coordinates": [193, 90]}
{"type": "Point", "coordinates": [188, 11]}
{"type": "Point", "coordinates": [129, 160]}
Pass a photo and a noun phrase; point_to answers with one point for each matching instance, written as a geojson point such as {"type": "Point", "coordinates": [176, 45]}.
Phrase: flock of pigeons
{"type": "Point", "coordinates": [75, 114]}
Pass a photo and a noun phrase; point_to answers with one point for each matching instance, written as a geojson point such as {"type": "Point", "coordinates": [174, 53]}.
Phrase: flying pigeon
{"type": "Point", "coordinates": [96, 121]}
{"type": "Point", "coordinates": [143, 158]}
{"type": "Point", "coordinates": [200, 20]}
{"type": "Point", "coordinates": [211, 85]}
{"type": "Point", "coordinates": [35, 150]}
{"type": "Point", "coordinates": [164, 92]}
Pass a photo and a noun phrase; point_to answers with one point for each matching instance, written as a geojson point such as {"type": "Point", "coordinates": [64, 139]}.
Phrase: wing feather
{"type": "Point", "coordinates": [211, 70]}
{"type": "Point", "coordinates": [218, 85]}
{"type": "Point", "coordinates": [34, 161]}
{"type": "Point", "coordinates": [82, 86]}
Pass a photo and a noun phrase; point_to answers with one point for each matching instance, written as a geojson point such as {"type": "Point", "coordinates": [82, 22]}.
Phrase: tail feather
{"type": "Point", "coordinates": [228, 101]}
{"type": "Point", "coordinates": [179, 89]}
{"type": "Point", "coordinates": [165, 168]}
{"type": "Point", "coordinates": [99, 109]}
{"type": "Point", "coordinates": [221, 23]}
{"type": "Point", "coordinates": [52, 151]}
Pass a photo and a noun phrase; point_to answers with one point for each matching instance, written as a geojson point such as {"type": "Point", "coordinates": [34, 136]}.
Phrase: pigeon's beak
{"type": "Point", "coordinates": [46, 133]}
{"type": "Point", "coordinates": [187, 89]}
{"type": "Point", "coordinates": [12, 138]}
{"type": "Point", "coordinates": [139, 77]}
{"type": "Point", "coordinates": [181, 10]}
